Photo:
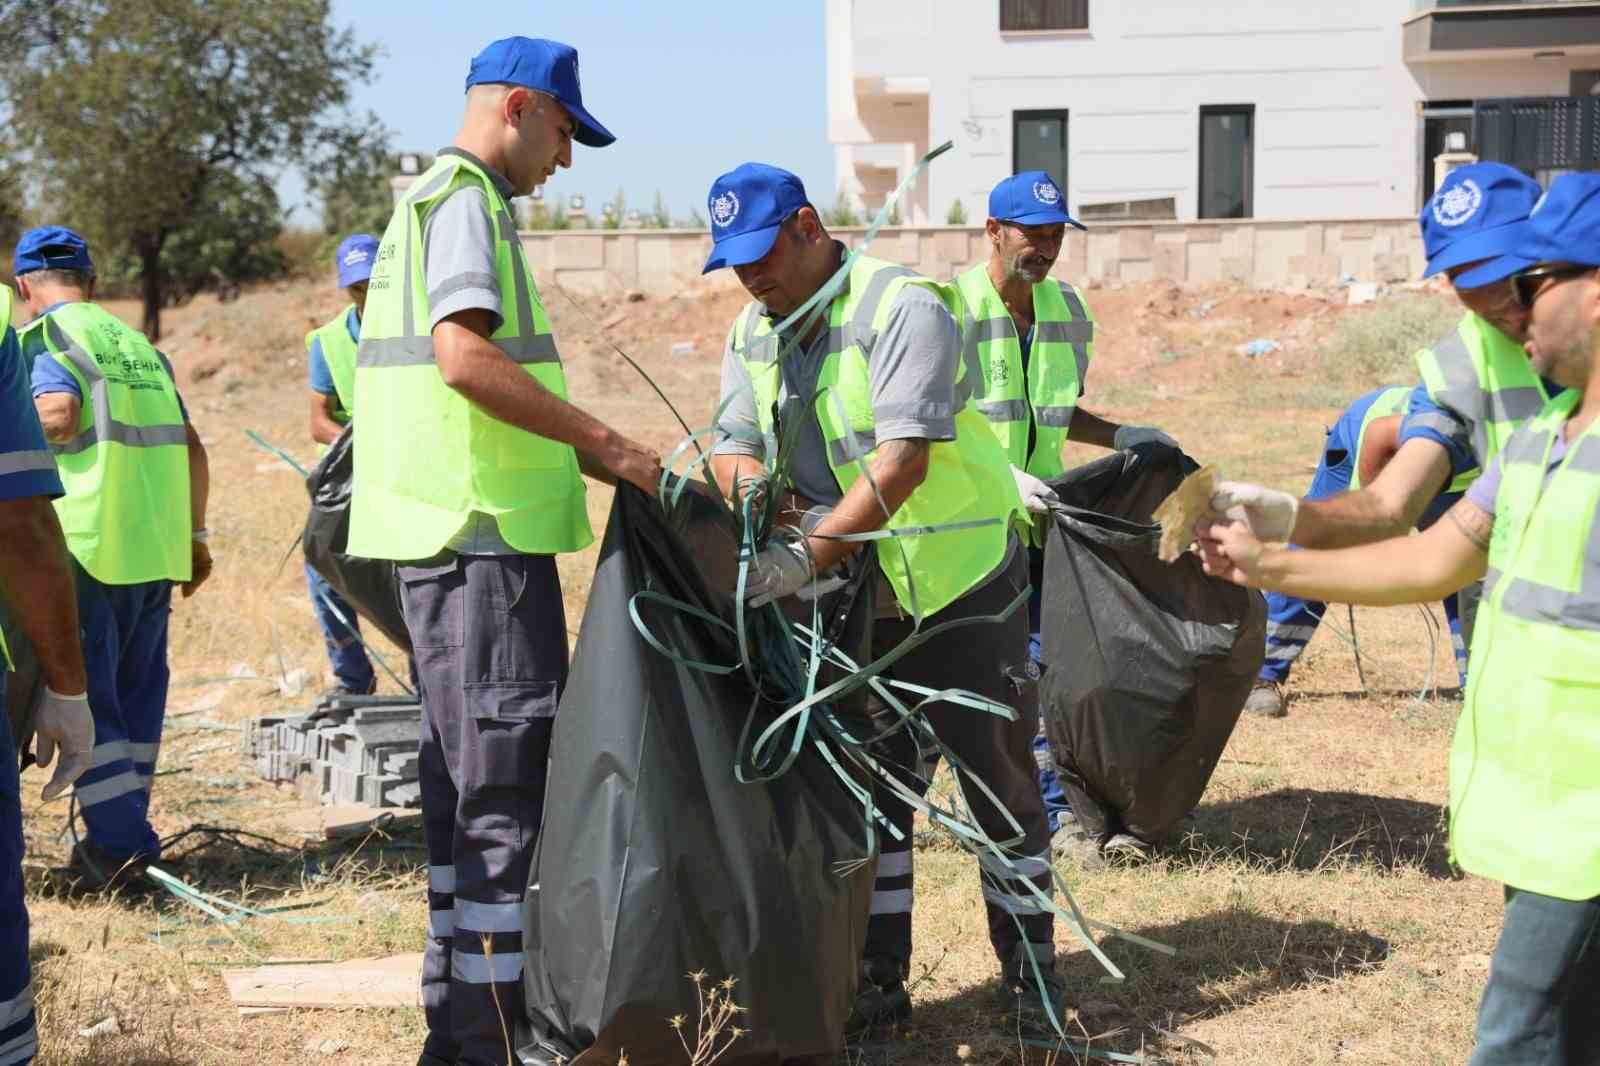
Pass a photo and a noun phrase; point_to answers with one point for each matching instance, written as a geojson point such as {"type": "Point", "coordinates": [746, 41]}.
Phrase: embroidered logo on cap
{"type": "Point", "coordinates": [724, 209]}
{"type": "Point", "coordinates": [1046, 193]}
{"type": "Point", "coordinates": [355, 255]}
{"type": "Point", "coordinates": [1457, 204]}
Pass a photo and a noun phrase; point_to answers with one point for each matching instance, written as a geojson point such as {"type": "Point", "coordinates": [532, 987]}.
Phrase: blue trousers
{"type": "Point", "coordinates": [1055, 800]}
{"type": "Point", "coordinates": [124, 631]}
{"type": "Point", "coordinates": [18, 1040]}
{"type": "Point", "coordinates": [351, 667]}
{"type": "Point", "coordinates": [1291, 622]}
{"type": "Point", "coordinates": [1542, 1004]}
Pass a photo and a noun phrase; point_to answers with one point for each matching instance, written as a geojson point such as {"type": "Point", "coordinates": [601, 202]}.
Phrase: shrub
{"type": "Point", "coordinates": [957, 215]}
{"type": "Point", "coordinates": [1378, 344]}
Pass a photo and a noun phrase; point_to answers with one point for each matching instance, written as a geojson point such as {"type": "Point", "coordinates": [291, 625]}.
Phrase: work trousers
{"type": "Point", "coordinates": [124, 630]}
{"type": "Point", "coordinates": [351, 667]}
{"type": "Point", "coordinates": [490, 642]}
{"type": "Point", "coordinates": [1292, 622]}
{"type": "Point", "coordinates": [990, 660]}
{"type": "Point", "coordinates": [18, 1039]}
{"type": "Point", "coordinates": [1542, 1003]}
{"type": "Point", "coordinates": [1056, 806]}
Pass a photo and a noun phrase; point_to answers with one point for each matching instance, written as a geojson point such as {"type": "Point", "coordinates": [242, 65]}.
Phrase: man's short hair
{"type": "Point", "coordinates": [78, 279]}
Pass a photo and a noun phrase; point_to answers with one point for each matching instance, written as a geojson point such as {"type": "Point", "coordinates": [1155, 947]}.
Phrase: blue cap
{"type": "Point", "coordinates": [51, 248]}
{"type": "Point", "coordinates": [548, 67]}
{"type": "Point", "coordinates": [1031, 198]}
{"type": "Point", "coordinates": [354, 258]}
{"type": "Point", "coordinates": [1565, 225]}
{"type": "Point", "coordinates": [1479, 212]}
{"type": "Point", "coordinates": [746, 206]}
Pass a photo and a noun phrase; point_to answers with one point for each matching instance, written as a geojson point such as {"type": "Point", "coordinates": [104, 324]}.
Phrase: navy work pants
{"type": "Point", "coordinates": [351, 667]}
{"type": "Point", "coordinates": [18, 1040]}
{"type": "Point", "coordinates": [1542, 1003]}
{"type": "Point", "coordinates": [124, 630]}
{"type": "Point", "coordinates": [1056, 806]}
{"type": "Point", "coordinates": [490, 642]}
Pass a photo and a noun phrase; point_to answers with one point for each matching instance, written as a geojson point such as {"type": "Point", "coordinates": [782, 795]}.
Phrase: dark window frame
{"type": "Point", "coordinates": [1073, 16]}
{"type": "Point", "coordinates": [1210, 110]}
{"type": "Point", "coordinates": [1061, 113]}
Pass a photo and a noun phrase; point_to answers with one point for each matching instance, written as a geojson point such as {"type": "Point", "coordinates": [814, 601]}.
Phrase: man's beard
{"type": "Point", "coordinates": [1029, 268]}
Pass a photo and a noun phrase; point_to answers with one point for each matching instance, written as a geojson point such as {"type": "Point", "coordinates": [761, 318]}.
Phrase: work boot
{"type": "Point", "coordinates": [881, 997]}
{"type": "Point", "coordinates": [1024, 992]}
{"type": "Point", "coordinates": [1126, 849]}
{"type": "Point", "coordinates": [1268, 699]}
{"type": "Point", "coordinates": [92, 870]}
{"type": "Point", "coordinates": [1071, 842]}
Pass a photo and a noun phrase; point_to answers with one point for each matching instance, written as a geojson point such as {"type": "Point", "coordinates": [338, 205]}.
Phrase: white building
{"type": "Point", "coordinates": [1271, 109]}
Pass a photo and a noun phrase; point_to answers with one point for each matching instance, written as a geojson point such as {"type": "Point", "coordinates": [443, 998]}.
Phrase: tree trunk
{"type": "Point", "coordinates": [150, 285]}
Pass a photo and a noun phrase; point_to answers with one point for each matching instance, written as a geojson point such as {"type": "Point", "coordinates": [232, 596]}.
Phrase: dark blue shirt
{"type": "Point", "coordinates": [27, 467]}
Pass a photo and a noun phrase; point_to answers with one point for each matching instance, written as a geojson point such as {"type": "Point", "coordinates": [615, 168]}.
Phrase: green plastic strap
{"type": "Point", "coordinates": [275, 450]}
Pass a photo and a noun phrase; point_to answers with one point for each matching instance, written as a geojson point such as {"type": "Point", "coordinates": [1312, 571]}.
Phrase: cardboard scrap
{"type": "Point", "coordinates": [393, 981]}
{"type": "Point", "coordinates": [1179, 512]}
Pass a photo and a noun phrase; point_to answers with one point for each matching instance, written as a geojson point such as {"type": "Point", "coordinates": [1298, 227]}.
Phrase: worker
{"type": "Point", "coordinates": [1524, 793]}
{"type": "Point", "coordinates": [1359, 445]}
{"type": "Point", "coordinates": [1476, 386]}
{"type": "Point", "coordinates": [899, 408]}
{"type": "Point", "coordinates": [1027, 341]}
{"type": "Point", "coordinates": [467, 475]}
{"type": "Point", "coordinates": [331, 367]}
{"type": "Point", "coordinates": [134, 515]}
{"type": "Point", "coordinates": [36, 582]}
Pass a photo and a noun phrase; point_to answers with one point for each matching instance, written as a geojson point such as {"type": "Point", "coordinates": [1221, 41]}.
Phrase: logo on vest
{"type": "Point", "coordinates": [724, 209]}
{"type": "Point", "coordinates": [1457, 204]}
{"type": "Point", "coordinates": [1046, 193]}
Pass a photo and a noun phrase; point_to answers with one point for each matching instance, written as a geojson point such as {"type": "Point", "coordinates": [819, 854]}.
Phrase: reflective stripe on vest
{"type": "Point", "coordinates": [1046, 393]}
{"type": "Point", "coordinates": [1484, 377]}
{"type": "Point", "coordinates": [426, 459]}
{"type": "Point", "coordinates": [126, 471]}
{"type": "Point", "coordinates": [1390, 401]}
{"type": "Point", "coordinates": [968, 478]}
{"type": "Point", "coordinates": [1524, 793]}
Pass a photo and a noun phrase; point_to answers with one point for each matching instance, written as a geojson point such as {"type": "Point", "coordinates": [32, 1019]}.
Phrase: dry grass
{"type": "Point", "coordinates": [1314, 914]}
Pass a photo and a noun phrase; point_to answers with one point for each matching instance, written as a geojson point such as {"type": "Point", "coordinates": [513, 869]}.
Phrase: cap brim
{"type": "Point", "coordinates": [742, 248]}
{"type": "Point", "coordinates": [1489, 244]}
{"type": "Point", "coordinates": [1499, 268]}
{"type": "Point", "coordinates": [1044, 218]}
{"type": "Point", "coordinates": [589, 131]}
{"type": "Point", "coordinates": [347, 280]}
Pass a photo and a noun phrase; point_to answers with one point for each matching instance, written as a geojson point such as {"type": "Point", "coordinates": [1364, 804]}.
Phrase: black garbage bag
{"type": "Point", "coordinates": [654, 861]}
{"type": "Point", "coordinates": [368, 585]}
{"type": "Point", "coordinates": [24, 685]}
{"type": "Point", "coordinates": [1147, 664]}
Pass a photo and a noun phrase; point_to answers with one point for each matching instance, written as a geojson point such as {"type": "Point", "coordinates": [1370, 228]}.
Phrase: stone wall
{"type": "Point", "coordinates": [1258, 254]}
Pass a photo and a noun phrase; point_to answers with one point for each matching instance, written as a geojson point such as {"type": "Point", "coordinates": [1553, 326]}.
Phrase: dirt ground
{"type": "Point", "coordinates": [1310, 901]}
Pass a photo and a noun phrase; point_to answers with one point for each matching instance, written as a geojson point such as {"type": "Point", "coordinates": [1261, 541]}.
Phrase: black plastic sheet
{"type": "Point", "coordinates": [368, 585]}
{"type": "Point", "coordinates": [24, 685]}
{"type": "Point", "coordinates": [1147, 665]}
{"type": "Point", "coordinates": [653, 860]}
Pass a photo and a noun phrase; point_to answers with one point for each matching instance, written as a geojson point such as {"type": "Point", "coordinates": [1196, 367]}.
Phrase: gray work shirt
{"type": "Point", "coordinates": [911, 372]}
{"type": "Point", "coordinates": [461, 274]}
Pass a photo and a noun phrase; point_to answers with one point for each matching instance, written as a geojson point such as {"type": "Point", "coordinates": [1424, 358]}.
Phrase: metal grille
{"type": "Point", "coordinates": [1044, 14]}
{"type": "Point", "coordinates": [1539, 134]}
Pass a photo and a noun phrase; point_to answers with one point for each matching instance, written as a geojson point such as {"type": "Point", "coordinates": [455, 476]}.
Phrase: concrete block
{"type": "Point", "coordinates": [1356, 258]}
{"type": "Point", "coordinates": [580, 251]}
{"type": "Point", "coordinates": [1135, 243]}
{"type": "Point", "coordinates": [951, 246]}
{"type": "Point", "coordinates": [622, 259]}
{"type": "Point", "coordinates": [1171, 260]}
{"type": "Point", "coordinates": [1110, 270]}
{"type": "Point", "coordinates": [1136, 270]}
{"type": "Point", "coordinates": [1357, 231]}
{"type": "Point", "coordinates": [1236, 268]}
{"type": "Point", "coordinates": [1203, 234]}
{"type": "Point", "coordinates": [1392, 267]}
{"type": "Point", "coordinates": [1314, 268]}
{"type": "Point", "coordinates": [1073, 262]}
{"type": "Point", "coordinates": [1205, 261]}
{"type": "Point", "coordinates": [1314, 238]}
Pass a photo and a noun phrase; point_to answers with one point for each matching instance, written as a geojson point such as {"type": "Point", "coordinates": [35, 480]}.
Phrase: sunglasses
{"type": "Point", "coordinates": [1530, 283]}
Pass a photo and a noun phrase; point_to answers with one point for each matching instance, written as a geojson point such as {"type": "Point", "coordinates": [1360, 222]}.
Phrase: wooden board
{"type": "Point", "coordinates": [394, 981]}
{"type": "Point", "coordinates": [350, 819]}
{"type": "Point", "coordinates": [1185, 506]}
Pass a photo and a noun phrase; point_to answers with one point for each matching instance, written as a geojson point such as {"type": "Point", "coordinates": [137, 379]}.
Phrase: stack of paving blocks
{"type": "Point", "coordinates": [349, 749]}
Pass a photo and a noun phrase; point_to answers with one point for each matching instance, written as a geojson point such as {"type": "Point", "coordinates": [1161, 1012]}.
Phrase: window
{"type": "Point", "coordinates": [1227, 161]}
{"type": "Point", "coordinates": [1039, 142]}
{"type": "Point", "coordinates": [1025, 15]}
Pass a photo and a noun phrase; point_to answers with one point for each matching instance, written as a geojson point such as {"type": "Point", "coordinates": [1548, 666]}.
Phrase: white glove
{"type": "Point", "coordinates": [63, 721]}
{"type": "Point", "coordinates": [1036, 495]}
{"type": "Point", "coordinates": [780, 569]}
{"type": "Point", "coordinates": [1128, 436]}
{"type": "Point", "coordinates": [1270, 514]}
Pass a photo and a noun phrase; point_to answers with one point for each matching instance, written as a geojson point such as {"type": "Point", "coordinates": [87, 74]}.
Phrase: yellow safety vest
{"type": "Point", "coordinates": [426, 458]}
{"type": "Point", "coordinates": [126, 471]}
{"type": "Point", "coordinates": [339, 352]}
{"type": "Point", "coordinates": [1046, 393]}
{"type": "Point", "coordinates": [1525, 761]}
{"type": "Point", "coordinates": [1391, 401]}
{"type": "Point", "coordinates": [968, 478]}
